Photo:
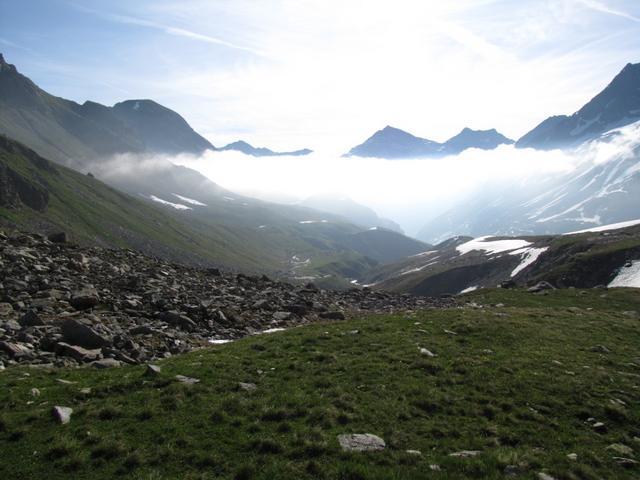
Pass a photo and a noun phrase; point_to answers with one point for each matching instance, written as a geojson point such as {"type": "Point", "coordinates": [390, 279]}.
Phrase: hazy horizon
{"type": "Point", "coordinates": [325, 75]}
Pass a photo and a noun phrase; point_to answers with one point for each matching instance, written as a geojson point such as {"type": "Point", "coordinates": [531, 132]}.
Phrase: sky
{"type": "Point", "coordinates": [326, 74]}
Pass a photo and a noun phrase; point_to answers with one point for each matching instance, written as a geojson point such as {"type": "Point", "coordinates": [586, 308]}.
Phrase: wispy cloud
{"type": "Point", "coordinates": [603, 8]}
{"type": "Point", "coordinates": [168, 29]}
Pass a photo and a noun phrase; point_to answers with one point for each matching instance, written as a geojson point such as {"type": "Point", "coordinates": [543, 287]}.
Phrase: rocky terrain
{"type": "Point", "coordinates": [63, 304]}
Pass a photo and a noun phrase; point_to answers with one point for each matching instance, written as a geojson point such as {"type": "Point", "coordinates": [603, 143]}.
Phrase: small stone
{"type": "Point", "coordinates": [572, 456]}
{"type": "Point", "coordinates": [106, 363]}
{"type": "Point", "coordinates": [620, 448]}
{"type": "Point", "coordinates": [62, 414]}
{"type": "Point", "coordinates": [435, 468]}
{"type": "Point", "coordinates": [152, 370]}
{"type": "Point", "coordinates": [427, 353]}
{"type": "Point", "coordinates": [599, 427]}
{"type": "Point", "coordinates": [417, 453]}
{"type": "Point", "coordinates": [541, 286]}
{"type": "Point", "coordinates": [5, 309]}
{"type": "Point", "coordinates": [187, 380]}
{"type": "Point", "coordinates": [465, 453]}
{"type": "Point", "coordinates": [247, 387]}
{"type": "Point", "coordinates": [85, 391]}
{"type": "Point", "coordinates": [545, 476]}
{"type": "Point", "coordinates": [35, 392]}
{"type": "Point", "coordinates": [360, 442]}
{"type": "Point", "coordinates": [600, 349]}
{"type": "Point", "coordinates": [625, 462]}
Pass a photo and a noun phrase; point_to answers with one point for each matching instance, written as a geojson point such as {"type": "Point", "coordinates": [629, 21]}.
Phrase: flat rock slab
{"type": "Point", "coordinates": [361, 442]}
{"type": "Point", "coordinates": [465, 453]}
{"type": "Point", "coordinates": [62, 414]}
{"type": "Point", "coordinates": [248, 387]}
{"type": "Point", "coordinates": [187, 380]}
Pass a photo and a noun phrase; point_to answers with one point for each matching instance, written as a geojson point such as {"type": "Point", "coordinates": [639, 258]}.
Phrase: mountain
{"type": "Point", "coordinates": [248, 149]}
{"type": "Point", "coordinates": [483, 139]}
{"type": "Point", "coordinates": [393, 143]}
{"type": "Point", "coordinates": [584, 260]}
{"type": "Point", "coordinates": [351, 210]}
{"type": "Point", "coordinates": [160, 129]}
{"type": "Point", "coordinates": [599, 190]}
{"type": "Point", "coordinates": [70, 133]}
{"type": "Point", "coordinates": [617, 105]}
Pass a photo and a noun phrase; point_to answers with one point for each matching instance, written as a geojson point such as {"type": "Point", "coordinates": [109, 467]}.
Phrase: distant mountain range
{"type": "Point", "coordinates": [617, 105]}
{"type": "Point", "coordinates": [248, 149]}
{"type": "Point", "coordinates": [594, 193]}
{"type": "Point", "coordinates": [393, 143]}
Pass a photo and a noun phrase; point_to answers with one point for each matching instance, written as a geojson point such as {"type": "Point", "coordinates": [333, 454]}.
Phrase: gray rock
{"type": "Point", "coordinates": [15, 350]}
{"type": "Point", "coordinates": [84, 299]}
{"type": "Point", "coordinates": [106, 363]}
{"type": "Point", "coordinates": [427, 353]}
{"type": "Point", "coordinates": [620, 448]}
{"type": "Point", "coordinates": [540, 286]}
{"type": "Point", "coordinates": [5, 309]}
{"type": "Point", "coordinates": [545, 476]}
{"type": "Point", "coordinates": [77, 353]}
{"type": "Point", "coordinates": [76, 332]}
{"type": "Point", "coordinates": [30, 319]}
{"type": "Point", "coordinates": [465, 453]}
{"type": "Point", "coordinates": [282, 316]}
{"type": "Point", "coordinates": [152, 370]}
{"type": "Point", "coordinates": [360, 442]}
{"type": "Point", "coordinates": [248, 387]}
{"type": "Point", "coordinates": [62, 414]}
{"type": "Point", "coordinates": [187, 380]}
{"type": "Point", "coordinates": [58, 237]}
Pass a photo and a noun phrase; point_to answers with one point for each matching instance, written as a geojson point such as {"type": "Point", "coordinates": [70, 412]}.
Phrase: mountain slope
{"type": "Point", "coordinates": [70, 133]}
{"type": "Point", "coordinates": [581, 260]}
{"type": "Point", "coordinates": [602, 188]}
{"type": "Point", "coordinates": [351, 210]}
{"type": "Point", "coordinates": [617, 105]}
{"type": "Point", "coordinates": [160, 129]}
{"type": "Point", "coordinates": [393, 143]}
{"type": "Point", "coordinates": [247, 149]}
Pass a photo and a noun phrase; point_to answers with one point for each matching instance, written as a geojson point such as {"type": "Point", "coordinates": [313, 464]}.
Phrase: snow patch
{"type": "Point", "coordinates": [190, 201]}
{"type": "Point", "coordinates": [628, 276]}
{"type": "Point", "coordinates": [492, 246]}
{"type": "Point", "coordinates": [529, 256]}
{"type": "Point", "coordinates": [604, 228]}
{"type": "Point", "coordinates": [177, 206]}
{"type": "Point", "coordinates": [469, 289]}
{"type": "Point", "coordinates": [313, 221]}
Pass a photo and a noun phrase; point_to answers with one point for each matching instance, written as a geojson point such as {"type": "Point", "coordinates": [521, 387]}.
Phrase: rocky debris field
{"type": "Point", "coordinates": [64, 305]}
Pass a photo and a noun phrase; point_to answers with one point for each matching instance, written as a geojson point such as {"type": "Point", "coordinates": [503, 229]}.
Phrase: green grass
{"type": "Point", "coordinates": [516, 382]}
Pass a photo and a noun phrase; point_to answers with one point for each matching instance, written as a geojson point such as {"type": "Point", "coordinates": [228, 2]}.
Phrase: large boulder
{"type": "Point", "coordinates": [84, 299]}
{"type": "Point", "coordinates": [77, 353]}
{"type": "Point", "coordinates": [76, 332]}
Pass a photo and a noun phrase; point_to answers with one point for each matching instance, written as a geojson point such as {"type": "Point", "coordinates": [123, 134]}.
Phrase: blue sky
{"type": "Point", "coordinates": [326, 74]}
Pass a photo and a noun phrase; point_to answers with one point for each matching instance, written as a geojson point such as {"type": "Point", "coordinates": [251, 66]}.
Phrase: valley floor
{"type": "Point", "coordinates": [527, 385]}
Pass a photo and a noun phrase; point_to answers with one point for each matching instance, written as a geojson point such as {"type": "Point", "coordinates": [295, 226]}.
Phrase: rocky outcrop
{"type": "Point", "coordinates": [61, 304]}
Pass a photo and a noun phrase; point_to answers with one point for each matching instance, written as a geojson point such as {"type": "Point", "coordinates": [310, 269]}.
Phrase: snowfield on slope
{"type": "Point", "coordinates": [492, 246]}
{"type": "Point", "coordinates": [604, 228]}
{"type": "Point", "coordinates": [628, 276]}
{"type": "Point", "coordinates": [190, 201]}
{"type": "Point", "coordinates": [529, 256]}
{"type": "Point", "coordinates": [177, 206]}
